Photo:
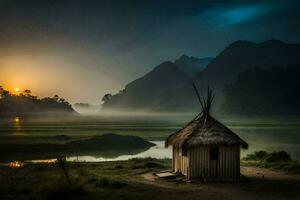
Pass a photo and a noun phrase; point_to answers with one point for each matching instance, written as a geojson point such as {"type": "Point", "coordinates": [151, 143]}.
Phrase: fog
{"type": "Point", "coordinates": [72, 50]}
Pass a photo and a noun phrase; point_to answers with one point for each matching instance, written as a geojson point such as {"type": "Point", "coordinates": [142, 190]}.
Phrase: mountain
{"type": "Point", "coordinates": [264, 91]}
{"type": "Point", "coordinates": [154, 91]}
{"type": "Point", "coordinates": [242, 55]}
{"type": "Point", "coordinates": [192, 65]}
{"type": "Point", "coordinates": [168, 86]}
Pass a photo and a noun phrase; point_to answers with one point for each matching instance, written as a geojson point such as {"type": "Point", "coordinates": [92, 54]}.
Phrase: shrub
{"type": "Point", "coordinates": [258, 155]}
{"type": "Point", "coordinates": [292, 167]}
{"type": "Point", "coordinates": [147, 159]}
{"type": "Point", "coordinates": [281, 156]}
{"type": "Point", "coordinates": [278, 157]}
{"type": "Point", "coordinates": [119, 167]}
{"type": "Point", "coordinates": [105, 182]}
{"type": "Point", "coordinates": [261, 155]}
{"type": "Point", "coordinates": [148, 165]}
{"type": "Point", "coordinates": [152, 165]}
{"type": "Point", "coordinates": [276, 160]}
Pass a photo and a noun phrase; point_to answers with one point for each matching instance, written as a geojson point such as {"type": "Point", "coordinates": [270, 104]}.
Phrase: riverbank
{"type": "Point", "coordinates": [128, 180]}
{"type": "Point", "coordinates": [261, 133]}
{"type": "Point", "coordinates": [109, 145]}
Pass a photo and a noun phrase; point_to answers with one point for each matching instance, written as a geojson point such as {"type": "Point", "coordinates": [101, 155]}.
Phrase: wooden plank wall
{"type": "Point", "coordinates": [227, 167]}
{"type": "Point", "coordinates": [199, 158]}
{"type": "Point", "coordinates": [229, 162]}
{"type": "Point", "coordinates": [180, 162]}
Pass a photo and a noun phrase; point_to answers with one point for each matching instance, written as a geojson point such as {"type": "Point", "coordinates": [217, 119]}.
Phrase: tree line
{"type": "Point", "coordinates": [26, 103]}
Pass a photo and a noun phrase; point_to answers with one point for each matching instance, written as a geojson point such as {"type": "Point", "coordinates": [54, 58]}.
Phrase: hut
{"type": "Point", "coordinates": [205, 148]}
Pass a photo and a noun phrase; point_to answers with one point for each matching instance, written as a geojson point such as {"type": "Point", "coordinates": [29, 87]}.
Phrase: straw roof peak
{"type": "Point", "coordinates": [204, 129]}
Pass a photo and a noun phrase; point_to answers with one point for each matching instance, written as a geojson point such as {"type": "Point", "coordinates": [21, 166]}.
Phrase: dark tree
{"type": "Point", "coordinates": [106, 98]}
{"type": "Point", "coordinates": [27, 93]}
{"type": "Point", "coordinates": [56, 98]}
{"type": "Point", "coordinates": [27, 104]}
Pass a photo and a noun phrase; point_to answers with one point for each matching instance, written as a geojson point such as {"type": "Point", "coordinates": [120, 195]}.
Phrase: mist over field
{"type": "Point", "coordinates": [126, 99]}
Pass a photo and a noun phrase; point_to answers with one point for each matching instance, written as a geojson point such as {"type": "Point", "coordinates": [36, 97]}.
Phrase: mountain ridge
{"type": "Point", "coordinates": [168, 88]}
{"type": "Point", "coordinates": [242, 55]}
{"type": "Point", "coordinates": [192, 65]}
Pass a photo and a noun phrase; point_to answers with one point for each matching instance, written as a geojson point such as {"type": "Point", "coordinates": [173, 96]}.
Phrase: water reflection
{"type": "Point", "coordinates": [47, 161]}
{"type": "Point", "coordinates": [269, 134]}
{"type": "Point", "coordinates": [18, 126]}
{"type": "Point", "coordinates": [158, 151]}
{"type": "Point", "coordinates": [15, 164]}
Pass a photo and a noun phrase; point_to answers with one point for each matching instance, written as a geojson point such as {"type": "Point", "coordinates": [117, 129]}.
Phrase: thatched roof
{"type": "Point", "coordinates": [204, 130]}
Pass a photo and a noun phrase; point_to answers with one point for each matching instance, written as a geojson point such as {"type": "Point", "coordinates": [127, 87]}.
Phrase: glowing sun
{"type": "Point", "coordinates": [17, 119]}
{"type": "Point", "coordinates": [17, 89]}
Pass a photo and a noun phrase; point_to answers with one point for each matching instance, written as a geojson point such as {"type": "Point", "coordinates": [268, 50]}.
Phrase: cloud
{"type": "Point", "coordinates": [223, 17]}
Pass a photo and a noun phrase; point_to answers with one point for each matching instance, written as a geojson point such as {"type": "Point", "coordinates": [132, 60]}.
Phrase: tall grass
{"type": "Point", "coordinates": [280, 160]}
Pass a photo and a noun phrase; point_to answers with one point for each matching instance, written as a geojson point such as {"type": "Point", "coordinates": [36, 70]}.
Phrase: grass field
{"type": "Point", "coordinates": [109, 180]}
{"type": "Point", "coordinates": [132, 180]}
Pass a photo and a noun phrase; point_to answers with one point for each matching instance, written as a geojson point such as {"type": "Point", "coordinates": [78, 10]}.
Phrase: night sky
{"type": "Point", "coordinates": [84, 49]}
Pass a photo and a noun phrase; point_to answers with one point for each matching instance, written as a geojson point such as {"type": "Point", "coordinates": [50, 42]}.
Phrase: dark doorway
{"type": "Point", "coordinates": [214, 159]}
{"type": "Point", "coordinates": [214, 153]}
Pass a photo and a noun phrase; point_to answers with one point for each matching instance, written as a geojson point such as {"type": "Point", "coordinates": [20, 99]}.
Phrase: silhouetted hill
{"type": "Point", "coordinates": [242, 55]}
{"type": "Point", "coordinates": [107, 145]}
{"type": "Point", "coordinates": [25, 104]}
{"type": "Point", "coordinates": [111, 142]}
{"type": "Point", "coordinates": [166, 74]}
{"type": "Point", "coordinates": [154, 91]}
{"type": "Point", "coordinates": [264, 91]}
{"type": "Point", "coordinates": [191, 65]}
{"type": "Point", "coordinates": [168, 87]}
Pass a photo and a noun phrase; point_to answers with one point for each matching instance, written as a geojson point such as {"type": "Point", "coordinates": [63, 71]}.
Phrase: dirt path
{"type": "Point", "coordinates": [256, 172]}
{"type": "Point", "coordinates": [261, 184]}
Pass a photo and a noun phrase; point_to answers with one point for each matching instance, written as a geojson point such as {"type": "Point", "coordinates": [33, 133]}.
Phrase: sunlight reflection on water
{"type": "Point", "coordinates": [269, 134]}
{"type": "Point", "coordinates": [158, 151]}
{"type": "Point", "coordinates": [18, 126]}
{"type": "Point", "coordinates": [15, 164]}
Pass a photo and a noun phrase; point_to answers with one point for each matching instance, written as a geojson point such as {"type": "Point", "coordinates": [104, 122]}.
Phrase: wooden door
{"type": "Point", "coordinates": [213, 162]}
